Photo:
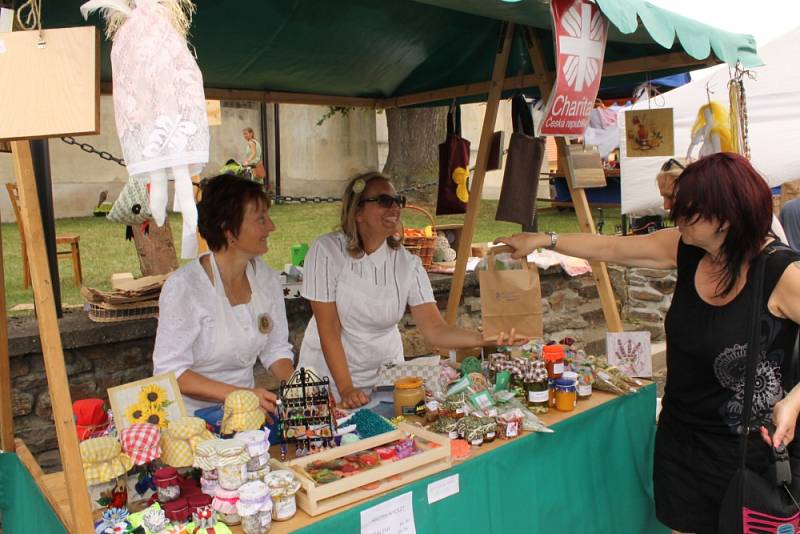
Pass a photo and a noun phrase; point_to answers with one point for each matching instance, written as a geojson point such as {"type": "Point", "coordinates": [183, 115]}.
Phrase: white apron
{"type": "Point", "coordinates": [237, 339]}
{"type": "Point", "coordinates": [369, 316]}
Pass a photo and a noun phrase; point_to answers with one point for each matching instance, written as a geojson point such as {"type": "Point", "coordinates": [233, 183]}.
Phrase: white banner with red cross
{"type": "Point", "coordinates": [580, 31]}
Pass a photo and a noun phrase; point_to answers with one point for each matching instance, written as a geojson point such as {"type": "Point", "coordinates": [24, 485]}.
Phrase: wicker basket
{"type": "Point", "coordinates": [422, 246]}
{"type": "Point", "coordinates": [115, 313]}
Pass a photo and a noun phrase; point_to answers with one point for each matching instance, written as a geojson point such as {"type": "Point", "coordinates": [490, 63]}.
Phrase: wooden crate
{"type": "Point", "coordinates": [315, 499]}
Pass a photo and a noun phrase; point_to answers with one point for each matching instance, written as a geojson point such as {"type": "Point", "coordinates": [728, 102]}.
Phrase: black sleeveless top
{"type": "Point", "coordinates": [707, 349]}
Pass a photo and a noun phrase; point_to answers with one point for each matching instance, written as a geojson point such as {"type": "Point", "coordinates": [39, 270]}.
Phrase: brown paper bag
{"type": "Point", "coordinates": [510, 299]}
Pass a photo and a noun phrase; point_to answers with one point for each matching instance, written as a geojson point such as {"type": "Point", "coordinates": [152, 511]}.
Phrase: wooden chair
{"type": "Point", "coordinates": [73, 240]}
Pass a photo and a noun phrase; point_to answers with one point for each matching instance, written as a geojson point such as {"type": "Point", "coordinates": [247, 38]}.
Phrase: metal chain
{"type": "Point", "coordinates": [86, 147]}
{"type": "Point", "coordinates": [279, 199]}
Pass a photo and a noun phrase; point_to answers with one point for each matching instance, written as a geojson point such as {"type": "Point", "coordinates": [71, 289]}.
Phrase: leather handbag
{"type": "Point", "coordinates": [761, 503]}
{"type": "Point", "coordinates": [517, 202]}
{"type": "Point", "coordinates": [453, 193]}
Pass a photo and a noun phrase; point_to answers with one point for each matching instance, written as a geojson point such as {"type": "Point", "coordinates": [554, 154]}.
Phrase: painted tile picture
{"type": "Point", "coordinates": [630, 352]}
{"type": "Point", "coordinates": [649, 132]}
{"type": "Point", "coordinates": [156, 400]}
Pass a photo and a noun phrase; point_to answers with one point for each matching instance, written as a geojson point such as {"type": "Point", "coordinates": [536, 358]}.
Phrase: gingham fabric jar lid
{"type": "Point", "coordinates": [103, 459]}
{"type": "Point", "coordinates": [142, 442]}
{"type": "Point", "coordinates": [257, 441]}
{"type": "Point", "coordinates": [181, 438]}
{"type": "Point", "coordinates": [242, 411]}
{"type": "Point", "coordinates": [254, 497]}
{"type": "Point", "coordinates": [225, 501]}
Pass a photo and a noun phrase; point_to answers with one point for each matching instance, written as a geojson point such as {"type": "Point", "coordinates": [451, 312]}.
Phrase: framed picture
{"type": "Point", "coordinates": [649, 132]}
{"type": "Point", "coordinates": [585, 166]}
{"type": "Point", "coordinates": [155, 400]}
{"type": "Point", "coordinates": [630, 352]}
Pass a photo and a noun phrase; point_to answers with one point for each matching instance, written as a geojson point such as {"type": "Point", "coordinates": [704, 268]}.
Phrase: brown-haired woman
{"type": "Point", "coordinates": [221, 312]}
{"type": "Point", "coordinates": [359, 281]}
{"type": "Point", "coordinates": [723, 209]}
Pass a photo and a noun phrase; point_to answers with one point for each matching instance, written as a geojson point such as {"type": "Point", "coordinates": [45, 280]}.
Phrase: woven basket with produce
{"type": "Point", "coordinates": [421, 241]}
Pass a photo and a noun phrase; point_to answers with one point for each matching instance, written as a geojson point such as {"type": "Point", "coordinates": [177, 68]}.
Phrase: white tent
{"type": "Point", "coordinates": [773, 105]}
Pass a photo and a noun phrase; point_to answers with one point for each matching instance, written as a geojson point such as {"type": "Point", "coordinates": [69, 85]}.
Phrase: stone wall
{"type": "Point", "coordinates": [102, 355]}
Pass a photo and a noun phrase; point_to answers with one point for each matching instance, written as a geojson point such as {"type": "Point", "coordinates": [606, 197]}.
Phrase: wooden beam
{"type": "Point", "coordinates": [52, 351]}
{"type": "Point", "coordinates": [476, 186]}
{"type": "Point", "coordinates": [539, 78]}
{"type": "Point", "coordinates": [652, 63]}
{"type": "Point", "coordinates": [6, 412]}
{"type": "Point", "coordinates": [480, 88]}
{"type": "Point", "coordinates": [282, 97]}
{"type": "Point", "coordinates": [33, 467]}
{"type": "Point", "coordinates": [582, 210]}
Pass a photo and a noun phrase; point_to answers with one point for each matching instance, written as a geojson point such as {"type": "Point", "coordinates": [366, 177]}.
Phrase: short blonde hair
{"type": "Point", "coordinates": [350, 205]}
{"type": "Point", "coordinates": [672, 172]}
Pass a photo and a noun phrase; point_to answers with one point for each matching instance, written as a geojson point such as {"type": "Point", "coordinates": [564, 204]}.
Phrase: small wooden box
{"type": "Point", "coordinates": [315, 499]}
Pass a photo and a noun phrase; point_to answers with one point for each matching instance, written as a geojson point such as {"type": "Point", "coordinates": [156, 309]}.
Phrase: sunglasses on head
{"type": "Point", "coordinates": [385, 201]}
{"type": "Point", "coordinates": [670, 163]}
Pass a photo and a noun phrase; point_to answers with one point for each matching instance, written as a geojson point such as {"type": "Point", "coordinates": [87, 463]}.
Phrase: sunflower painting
{"type": "Point", "coordinates": [156, 400]}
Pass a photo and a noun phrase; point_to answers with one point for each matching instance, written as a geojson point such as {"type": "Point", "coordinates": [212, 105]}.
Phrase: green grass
{"type": "Point", "coordinates": [105, 251]}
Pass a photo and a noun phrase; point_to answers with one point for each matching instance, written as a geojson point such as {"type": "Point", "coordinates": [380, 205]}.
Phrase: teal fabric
{"type": "Point", "coordinates": [593, 475]}
{"type": "Point", "coordinates": [390, 48]}
{"type": "Point", "coordinates": [23, 508]}
{"type": "Point", "coordinates": [697, 39]}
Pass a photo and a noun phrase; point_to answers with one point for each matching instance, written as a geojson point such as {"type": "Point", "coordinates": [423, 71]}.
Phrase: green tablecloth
{"type": "Point", "coordinates": [23, 508]}
{"type": "Point", "coordinates": [593, 475]}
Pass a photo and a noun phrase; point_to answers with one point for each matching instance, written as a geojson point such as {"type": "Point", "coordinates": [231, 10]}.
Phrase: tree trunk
{"type": "Point", "coordinates": [413, 159]}
{"type": "Point", "coordinates": [156, 250]}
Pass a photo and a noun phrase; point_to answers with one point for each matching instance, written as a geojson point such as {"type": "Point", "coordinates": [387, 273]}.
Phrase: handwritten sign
{"type": "Point", "coordinates": [395, 516]}
{"type": "Point", "coordinates": [441, 489]}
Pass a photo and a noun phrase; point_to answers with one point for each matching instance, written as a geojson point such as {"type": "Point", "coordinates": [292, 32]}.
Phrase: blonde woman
{"type": "Point", "coordinates": [359, 281]}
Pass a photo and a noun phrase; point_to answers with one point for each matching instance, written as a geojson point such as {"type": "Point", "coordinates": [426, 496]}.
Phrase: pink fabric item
{"type": "Point", "coordinates": [225, 501]}
{"type": "Point", "coordinates": [142, 442]}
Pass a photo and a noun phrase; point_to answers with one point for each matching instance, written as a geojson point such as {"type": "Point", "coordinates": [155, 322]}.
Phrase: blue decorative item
{"type": "Point", "coordinates": [114, 520]}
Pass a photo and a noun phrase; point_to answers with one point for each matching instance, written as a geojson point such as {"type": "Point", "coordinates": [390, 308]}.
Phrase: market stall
{"type": "Point", "coordinates": [400, 55]}
{"type": "Point", "coordinates": [570, 469]}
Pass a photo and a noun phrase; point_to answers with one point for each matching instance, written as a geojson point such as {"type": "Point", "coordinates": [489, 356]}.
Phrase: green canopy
{"type": "Point", "coordinates": [390, 48]}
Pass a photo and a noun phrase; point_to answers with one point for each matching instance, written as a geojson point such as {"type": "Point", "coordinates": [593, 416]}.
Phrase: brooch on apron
{"type": "Point", "coordinates": [264, 323]}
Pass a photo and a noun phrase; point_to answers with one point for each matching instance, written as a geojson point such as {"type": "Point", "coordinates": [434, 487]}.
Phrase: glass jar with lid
{"type": "Point", "coordinates": [553, 356]}
{"type": "Point", "coordinates": [537, 390]}
{"type": "Point", "coordinates": [566, 395]}
{"type": "Point", "coordinates": [408, 393]}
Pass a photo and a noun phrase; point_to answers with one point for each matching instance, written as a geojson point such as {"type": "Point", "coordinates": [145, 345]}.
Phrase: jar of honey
{"type": "Point", "coordinates": [553, 356]}
{"type": "Point", "coordinates": [408, 393]}
{"type": "Point", "coordinates": [566, 395]}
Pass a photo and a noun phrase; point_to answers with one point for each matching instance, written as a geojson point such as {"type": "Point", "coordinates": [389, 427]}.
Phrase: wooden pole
{"type": "Point", "coordinates": [52, 351]}
{"type": "Point", "coordinates": [476, 187]}
{"type": "Point", "coordinates": [6, 413]}
{"type": "Point", "coordinates": [582, 210]}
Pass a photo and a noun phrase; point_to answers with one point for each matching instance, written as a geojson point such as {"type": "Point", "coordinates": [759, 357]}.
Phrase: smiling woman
{"type": "Point", "coordinates": [359, 281]}
{"type": "Point", "coordinates": [221, 312]}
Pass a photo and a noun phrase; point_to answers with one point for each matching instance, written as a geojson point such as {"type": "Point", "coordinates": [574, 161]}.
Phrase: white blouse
{"type": "Point", "coordinates": [192, 317]}
{"type": "Point", "coordinates": [371, 294]}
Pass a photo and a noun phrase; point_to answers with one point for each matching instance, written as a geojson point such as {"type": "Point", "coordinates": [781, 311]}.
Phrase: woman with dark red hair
{"type": "Point", "coordinates": [722, 209]}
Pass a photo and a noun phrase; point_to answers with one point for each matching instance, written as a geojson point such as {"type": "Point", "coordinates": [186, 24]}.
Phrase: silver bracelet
{"type": "Point", "coordinates": [553, 240]}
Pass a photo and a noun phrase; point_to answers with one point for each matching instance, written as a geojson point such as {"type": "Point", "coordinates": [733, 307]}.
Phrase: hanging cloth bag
{"type": "Point", "coordinates": [453, 192]}
{"type": "Point", "coordinates": [517, 202]}
{"type": "Point", "coordinates": [758, 503]}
